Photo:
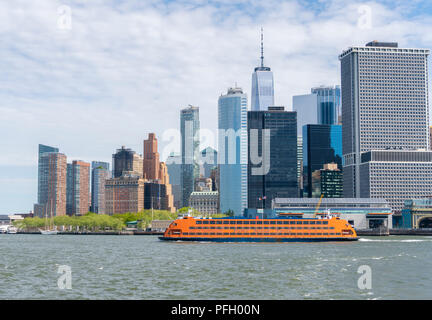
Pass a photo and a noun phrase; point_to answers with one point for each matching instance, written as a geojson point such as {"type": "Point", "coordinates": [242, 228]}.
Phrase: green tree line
{"type": "Point", "coordinates": [99, 222]}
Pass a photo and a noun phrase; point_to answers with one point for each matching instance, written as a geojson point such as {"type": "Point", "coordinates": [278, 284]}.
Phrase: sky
{"type": "Point", "coordinates": [90, 76]}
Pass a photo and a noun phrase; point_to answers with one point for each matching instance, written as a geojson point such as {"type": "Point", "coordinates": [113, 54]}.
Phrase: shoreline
{"type": "Point", "coordinates": [368, 233]}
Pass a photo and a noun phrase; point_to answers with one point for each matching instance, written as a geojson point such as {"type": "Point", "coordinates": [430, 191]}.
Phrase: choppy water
{"type": "Point", "coordinates": [143, 267]}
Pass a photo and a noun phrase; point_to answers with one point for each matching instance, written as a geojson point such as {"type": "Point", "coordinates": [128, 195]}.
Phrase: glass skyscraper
{"type": "Point", "coordinates": [322, 144]}
{"type": "Point", "coordinates": [262, 85]}
{"type": "Point", "coordinates": [42, 149]}
{"type": "Point", "coordinates": [278, 152]}
{"type": "Point", "coordinates": [189, 128]}
{"type": "Point", "coordinates": [232, 151]}
{"type": "Point", "coordinates": [100, 173]}
{"type": "Point", "coordinates": [328, 104]}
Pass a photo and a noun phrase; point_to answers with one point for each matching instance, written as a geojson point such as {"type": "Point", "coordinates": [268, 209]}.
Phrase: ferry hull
{"type": "Point", "coordinates": [258, 239]}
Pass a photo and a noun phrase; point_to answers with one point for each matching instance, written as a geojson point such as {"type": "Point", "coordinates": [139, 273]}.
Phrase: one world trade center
{"type": "Point", "coordinates": [262, 85]}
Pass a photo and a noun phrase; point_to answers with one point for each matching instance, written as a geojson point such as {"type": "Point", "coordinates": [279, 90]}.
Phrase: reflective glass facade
{"type": "Point", "coordinates": [100, 173]}
{"type": "Point", "coordinates": [280, 180]}
{"type": "Point", "coordinates": [232, 151]}
{"type": "Point", "coordinates": [262, 89]}
{"type": "Point", "coordinates": [189, 128]}
{"type": "Point", "coordinates": [328, 102]}
{"type": "Point", "coordinates": [322, 144]}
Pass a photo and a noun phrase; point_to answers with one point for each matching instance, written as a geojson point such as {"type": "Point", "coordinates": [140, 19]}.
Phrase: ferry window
{"type": "Point", "coordinates": [198, 222]}
{"type": "Point", "coordinates": [259, 222]}
{"type": "Point", "coordinates": [252, 233]}
{"type": "Point", "coordinates": [331, 227]}
{"type": "Point", "coordinates": [312, 222]}
{"type": "Point", "coordinates": [318, 222]}
{"type": "Point", "coordinates": [185, 233]}
{"type": "Point", "coordinates": [252, 222]}
{"type": "Point", "coordinates": [219, 222]}
{"type": "Point", "coordinates": [299, 222]}
{"type": "Point", "coordinates": [239, 222]}
{"type": "Point", "coordinates": [212, 222]}
{"type": "Point", "coordinates": [212, 228]}
{"type": "Point", "coordinates": [286, 222]}
{"type": "Point", "coordinates": [226, 222]}
{"type": "Point", "coordinates": [306, 234]}
{"type": "Point", "coordinates": [266, 222]}
{"type": "Point", "coordinates": [325, 222]}
{"type": "Point", "coordinates": [205, 222]}
{"type": "Point", "coordinates": [205, 233]}
{"type": "Point", "coordinates": [232, 222]}
{"type": "Point", "coordinates": [272, 222]}
{"type": "Point", "coordinates": [259, 234]}
{"type": "Point", "coordinates": [305, 222]}
{"type": "Point", "coordinates": [212, 233]}
{"type": "Point", "coordinates": [191, 227]}
{"type": "Point", "coordinates": [292, 222]}
{"type": "Point", "coordinates": [219, 234]}
{"type": "Point", "coordinates": [279, 222]}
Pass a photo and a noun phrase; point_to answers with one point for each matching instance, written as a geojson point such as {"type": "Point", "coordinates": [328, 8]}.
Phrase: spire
{"type": "Point", "coordinates": [262, 48]}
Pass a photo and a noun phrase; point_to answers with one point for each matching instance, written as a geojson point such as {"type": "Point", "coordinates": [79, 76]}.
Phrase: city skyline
{"type": "Point", "coordinates": [38, 108]}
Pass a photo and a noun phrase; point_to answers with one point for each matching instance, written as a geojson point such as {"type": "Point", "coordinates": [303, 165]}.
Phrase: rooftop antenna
{"type": "Point", "coordinates": [262, 48]}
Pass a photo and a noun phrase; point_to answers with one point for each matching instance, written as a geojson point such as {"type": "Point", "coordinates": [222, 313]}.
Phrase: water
{"type": "Point", "coordinates": [143, 267]}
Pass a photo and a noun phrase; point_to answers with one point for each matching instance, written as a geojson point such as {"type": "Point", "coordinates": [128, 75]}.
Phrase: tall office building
{"type": "Point", "coordinates": [78, 188]}
{"type": "Point", "coordinates": [126, 160]}
{"type": "Point", "coordinates": [42, 149]}
{"type": "Point", "coordinates": [209, 161]}
{"type": "Point", "coordinates": [174, 167]}
{"type": "Point", "coordinates": [262, 85]}
{"type": "Point", "coordinates": [321, 106]}
{"type": "Point", "coordinates": [52, 185]}
{"type": "Point", "coordinates": [189, 128]}
{"type": "Point", "coordinates": [100, 173]}
{"type": "Point", "coordinates": [384, 104]}
{"type": "Point", "coordinates": [232, 151]}
{"type": "Point", "coordinates": [156, 172]}
{"type": "Point", "coordinates": [272, 135]}
{"type": "Point", "coordinates": [322, 144]}
{"type": "Point", "coordinates": [328, 103]}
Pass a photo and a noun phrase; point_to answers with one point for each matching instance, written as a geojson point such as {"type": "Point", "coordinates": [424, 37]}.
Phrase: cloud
{"type": "Point", "coordinates": [126, 68]}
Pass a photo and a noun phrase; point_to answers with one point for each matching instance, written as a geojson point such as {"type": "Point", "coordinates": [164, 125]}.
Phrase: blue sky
{"type": "Point", "coordinates": [126, 68]}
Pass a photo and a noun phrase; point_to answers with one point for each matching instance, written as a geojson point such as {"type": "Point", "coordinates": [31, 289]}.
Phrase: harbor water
{"type": "Point", "coordinates": [143, 267]}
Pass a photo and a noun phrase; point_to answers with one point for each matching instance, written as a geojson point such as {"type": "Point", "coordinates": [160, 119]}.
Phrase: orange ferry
{"type": "Point", "coordinates": [239, 229]}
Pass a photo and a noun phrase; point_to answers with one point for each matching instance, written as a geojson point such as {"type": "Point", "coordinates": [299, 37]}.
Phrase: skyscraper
{"type": "Point", "coordinates": [78, 188]}
{"type": "Point", "coordinates": [189, 128]}
{"type": "Point", "coordinates": [100, 173]}
{"type": "Point", "coordinates": [174, 167]}
{"type": "Point", "coordinates": [209, 159]}
{"type": "Point", "coordinates": [126, 160]}
{"type": "Point", "coordinates": [273, 135]}
{"type": "Point", "coordinates": [262, 85]}
{"type": "Point", "coordinates": [42, 149]}
{"type": "Point", "coordinates": [328, 104]}
{"type": "Point", "coordinates": [321, 106]}
{"type": "Point", "coordinates": [232, 151]}
{"type": "Point", "coordinates": [52, 185]}
{"type": "Point", "coordinates": [322, 144]}
{"type": "Point", "coordinates": [384, 103]}
{"type": "Point", "coordinates": [156, 173]}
